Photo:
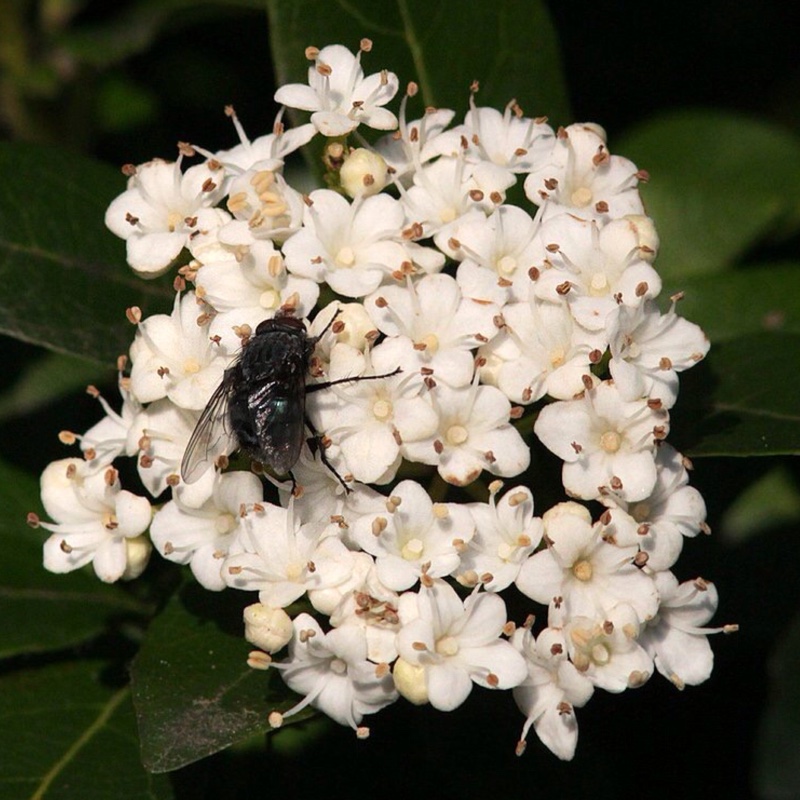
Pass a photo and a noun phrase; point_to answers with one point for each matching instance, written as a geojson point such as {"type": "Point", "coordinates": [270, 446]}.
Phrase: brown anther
{"type": "Point", "coordinates": [602, 156]}
{"type": "Point", "coordinates": [379, 525]}
{"type": "Point", "coordinates": [587, 381]}
{"type": "Point", "coordinates": [605, 517]}
{"type": "Point", "coordinates": [186, 149]}
{"type": "Point", "coordinates": [578, 448]}
{"type": "Point", "coordinates": [504, 282]}
{"type": "Point", "coordinates": [169, 548]}
{"type": "Point", "coordinates": [89, 454]}
{"type": "Point", "coordinates": [608, 627]}
{"type": "Point", "coordinates": [122, 362]}
{"type": "Point", "coordinates": [654, 404]}
{"type": "Point", "coordinates": [430, 383]}
{"type": "Point", "coordinates": [492, 680]}
{"type": "Point", "coordinates": [601, 207]}
{"type": "Point", "coordinates": [145, 461]}
{"type": "Point", "coordinates": [563, 288]}
{"type": "Point", "coordinates": [556, 649]}
{"type": "Point", "coordinates": [509, 628]}
{"type": "Point", "coordinates": [311, 52]}
{"type": "Point", "coordinates": [111, 476]}
{"type": "Point", "coordinates": [516, 412]}
{"type": "Point", "coordinates": [642, 175]}
{"type": "Point", "coordinates": [490, 457]}
{"type": "Point", "coordinates": [32, 519]}
{"type": "Point", "coordinates": [520, 748]}
{"type": "Point", "coordinates": [128, 170]}
{"type": "Point", "coordinates": [496, 198]}
{"type": "Point", "coordinates": [67, 437]}
{"type": "Point", "coordinates": [412, 89]}
{"type": "Point", "coordinates": [616, 483]}
{"type": "Point", "coordinates": [564, 708]}
{"type": "Point", "coordinates": [173, 479]}
{"type": "Point", "coordinates": [64, 547]}
{"type": "Point", "coordinates": [365, 45]}
{"type": "Point", "coordinates": [595, 356]}
{"type": "Point", "coordinates": [162, 371]}
{"type": "Point", "coordinates": [551, 184]}
{"type": "Point", "coordinates": [642, 288]}
{"type": "Point", "coordinates": [641, 558]}
{"type": "Point", "coordinates": [527, 394]}
{"type": "Point", "coordinates": [134, 315]}
{"type": "Point", "coordinates": [475, 86]}
{"type": "Point", "coordinates": [476, 195]}
{"type": "Point", "coordinates": [659, 433]}
{"type": "Point", "coordinates": [438, 446]}
{"type": "Point", "coordinates": [131, 220]}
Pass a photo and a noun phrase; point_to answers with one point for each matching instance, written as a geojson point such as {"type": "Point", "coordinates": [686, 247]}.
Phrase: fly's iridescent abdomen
{"type": "Point", "coordinates": [267, 403]}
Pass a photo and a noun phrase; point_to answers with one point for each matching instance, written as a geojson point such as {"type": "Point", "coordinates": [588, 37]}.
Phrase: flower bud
{"type": "Point", "coordinates": [363, 173]}
{"type": "Point", "coordinates": [564, 509]}
{"type": "Point", "coordinates": [137, 552]}
{"type": "Point", "coordinates": [267, 628]}
{"type": "Point", "coordinates": [410, 681]}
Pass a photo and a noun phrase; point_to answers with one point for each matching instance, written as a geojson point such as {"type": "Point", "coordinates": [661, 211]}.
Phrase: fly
{"type": "Point", "coordinates": [260, 404]}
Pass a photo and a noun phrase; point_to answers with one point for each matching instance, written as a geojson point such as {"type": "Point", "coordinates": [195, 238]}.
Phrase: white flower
{"type": "Point", "coordinates": [447, 190]}
{"type": "Point", "coordinates": [676, 639]}
{"type": "Point", "coordinates": [264, 206]}
{"type": "Point", "coordinates": [508, 139]}
{"type": "Point", "coordinates": [202, 536]}
{"type": "Point", "coordinates": [443, 326]}
{"type": "Point", "coordinates": [581, 574]}
{"type": "Point", "coordinates": [506, 533]}
{"type": "Point", "coordinates": [370, 420]}
{"type": "Point", "coordinates": [474, 433]}
{"type": "Point", "coordinates": [594, 269]}
{"type": "Point", "coordinates": [282, 559]}
{"type": "Point", "coordinates": [96, 521]}
{"type": "Point", "coordinates": [331, 670]}
{"type": "Point", "coordinates": [607, 652]}
{"type": "Point", "coordinates": [164, 430]}
{"type": "Point", "coordinates": [607, 444]}
{"type": "Point", "coordinates": [539, 351]}
{"type": "Point", "coordinates": [172, 356]}
{"type": "Point", "coordinates": [116, 433]}
{"type": "Point", "coordinates": [658, 523]}
{"type": "Point", "coordinates": [582, 177]}
{"type": "Point", "coordinates": [417, 142]}
{"type": "Point", "coordinates": [269, 150]}
{"type": "Point", "coordinates": [352, 248]}
{"type": "Point", "coordinates": [371, 606]}
{"type": "Point", "coordinates": [414, 536]}
{"type": "Point", "coordinates": [339, 95]}
{"type": "Point", "coordinates": [648, 349]}
{"type": "Point", "coordinates": [496, 254]}
{"type": "Point", "coordinates": [551, 692]}
{"type": "Point", "coordinates": [249, 289]}
{"type": "Point", "coordinates": [162, 209]}
{"type": "Point", "coordinates": [455, 644]}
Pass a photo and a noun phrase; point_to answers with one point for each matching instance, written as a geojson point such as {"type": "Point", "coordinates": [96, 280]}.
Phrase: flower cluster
{"type": "Point", "coordinates": [452, 319]}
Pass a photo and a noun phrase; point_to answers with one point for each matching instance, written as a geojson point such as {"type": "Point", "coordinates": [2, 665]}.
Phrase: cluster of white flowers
{"type": "Point", "coordinates": [462, 310]}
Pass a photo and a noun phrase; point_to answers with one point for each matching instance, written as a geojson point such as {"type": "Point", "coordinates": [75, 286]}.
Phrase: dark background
{"type": "Point", "coordinates": [624, 64]}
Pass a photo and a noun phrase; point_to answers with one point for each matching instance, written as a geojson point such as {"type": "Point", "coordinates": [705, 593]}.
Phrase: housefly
{"type": "Point", "coordinates": [259, 406]}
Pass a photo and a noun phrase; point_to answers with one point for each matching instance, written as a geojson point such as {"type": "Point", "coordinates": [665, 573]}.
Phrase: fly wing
{"type": "Point", "coordinates": [212, 436]}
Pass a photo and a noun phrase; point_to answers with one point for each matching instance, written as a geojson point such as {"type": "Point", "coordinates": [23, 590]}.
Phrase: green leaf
{"type": "Point", "coordinates": [46, 379]}
{"type": "Point", "coordinates": [64, 283]}
{"type": "Point", "coordinates": [193, 691]}
{"type": "Point", "coordinates": [509, 46]}
{"type": "Point", "coordinates": [742, 400]}
{"type": "Point", "coordinates": [40, 611]}
{"type": "Point", "coordinates": [66, 734]}
{"type": "Point", "coordinates": [778, 747]}
{"type": "Point", "coordinates": [719, 183]}
{"type": "Point", "coordinates": [747, 300]}
{"type": "Point", "coordinates": [772, 500]}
